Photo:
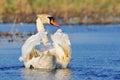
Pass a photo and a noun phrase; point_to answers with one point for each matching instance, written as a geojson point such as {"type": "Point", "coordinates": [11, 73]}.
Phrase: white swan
{"type": "Point", "coordinates": [56, 53]}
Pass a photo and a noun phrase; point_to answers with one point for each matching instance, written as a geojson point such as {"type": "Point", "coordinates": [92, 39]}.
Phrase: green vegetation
{"type": "Point", "coordinates": [27, 9]}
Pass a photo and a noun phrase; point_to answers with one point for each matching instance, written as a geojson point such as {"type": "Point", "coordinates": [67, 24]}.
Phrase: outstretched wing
{"type": "Point", "coordinates": [31, 42]}
{"type": "Point", "coordinates": [62, 47]}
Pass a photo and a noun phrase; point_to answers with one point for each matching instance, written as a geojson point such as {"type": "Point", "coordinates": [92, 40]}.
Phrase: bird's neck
{"type": "Point", "coordinates": [40, 25]}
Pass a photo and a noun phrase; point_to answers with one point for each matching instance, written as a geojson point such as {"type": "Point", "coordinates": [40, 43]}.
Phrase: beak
{"type": "Point", "coordinates": [52, 21]}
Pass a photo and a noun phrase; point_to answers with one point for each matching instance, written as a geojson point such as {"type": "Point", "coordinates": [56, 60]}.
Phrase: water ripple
{"type": "Point", "coordinates": [10, 68]}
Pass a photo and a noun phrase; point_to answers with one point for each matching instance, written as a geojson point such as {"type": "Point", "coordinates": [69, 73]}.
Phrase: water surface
{"type": "Point", "coordinates": [95, 54]}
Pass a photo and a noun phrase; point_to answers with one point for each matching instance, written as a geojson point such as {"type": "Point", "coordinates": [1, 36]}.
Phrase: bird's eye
{"type": "Point", "coordinates": [51, 18]}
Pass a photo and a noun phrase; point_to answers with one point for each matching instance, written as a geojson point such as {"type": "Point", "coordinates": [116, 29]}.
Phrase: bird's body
{"type": "Point", "coordinates": [54, 54]}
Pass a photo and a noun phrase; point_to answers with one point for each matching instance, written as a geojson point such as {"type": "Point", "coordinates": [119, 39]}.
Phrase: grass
{"type": "Point", "coordinates": [60, 8]}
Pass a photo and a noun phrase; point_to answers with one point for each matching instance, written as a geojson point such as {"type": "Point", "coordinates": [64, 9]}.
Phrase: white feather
{"type": "Point", "coordinates": [56, 53]}
{"type": "Point", "coordinates": [31, 42]}
{"type": "Point", "coordinates": [60, 40]}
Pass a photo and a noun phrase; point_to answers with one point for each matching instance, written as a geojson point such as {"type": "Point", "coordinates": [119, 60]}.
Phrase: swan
{"type": "Point", "coordinates": [54, 51]}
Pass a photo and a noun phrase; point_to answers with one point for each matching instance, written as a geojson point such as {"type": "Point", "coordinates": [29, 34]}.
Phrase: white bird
{"type": "Point", "coordinates": [56, 52]}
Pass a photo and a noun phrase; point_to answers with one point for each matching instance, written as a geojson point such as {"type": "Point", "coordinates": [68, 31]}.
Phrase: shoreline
{"type": "Point", "coordinates": [78, 11]}
{"type": "Point", "coordinates": [69, 21]}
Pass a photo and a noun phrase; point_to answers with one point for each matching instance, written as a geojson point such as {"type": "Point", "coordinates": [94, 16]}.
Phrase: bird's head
{"type": "Point", "coordinates": [47, 19]}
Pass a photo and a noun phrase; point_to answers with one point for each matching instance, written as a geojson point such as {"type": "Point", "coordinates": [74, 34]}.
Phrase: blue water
{"type": "Point", "coordinates": [95, 54]}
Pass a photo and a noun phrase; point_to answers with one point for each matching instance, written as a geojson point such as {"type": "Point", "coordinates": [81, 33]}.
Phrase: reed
{"type": "Point", "coordinates": [60, 8]}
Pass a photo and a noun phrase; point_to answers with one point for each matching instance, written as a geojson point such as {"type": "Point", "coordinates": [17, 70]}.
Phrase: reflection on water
{"type": "Point", "coordinates": [38, 74]}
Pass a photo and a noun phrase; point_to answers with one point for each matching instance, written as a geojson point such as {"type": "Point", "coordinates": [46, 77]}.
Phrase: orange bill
{"type": "Point", "coordinates": [54, 23]}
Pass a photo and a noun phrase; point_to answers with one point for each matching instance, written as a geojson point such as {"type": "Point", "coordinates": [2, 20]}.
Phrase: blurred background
{"type": "Point", "coordinates": [66, 11]}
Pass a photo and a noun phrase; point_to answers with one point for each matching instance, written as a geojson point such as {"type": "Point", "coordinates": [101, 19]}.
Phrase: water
{"type": "Point", "coordinates": [95, 54]}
